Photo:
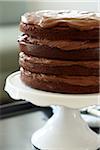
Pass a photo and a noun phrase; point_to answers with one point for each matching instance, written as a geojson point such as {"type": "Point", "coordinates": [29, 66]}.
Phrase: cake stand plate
{"type": "Point", "coordinates": [65, 130]}
{"type": "Point", "coordinates": [18, 90]}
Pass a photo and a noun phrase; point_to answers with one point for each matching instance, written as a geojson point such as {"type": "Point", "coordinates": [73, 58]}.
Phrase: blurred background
{"type": "Point", "coordinates": [10, 12]}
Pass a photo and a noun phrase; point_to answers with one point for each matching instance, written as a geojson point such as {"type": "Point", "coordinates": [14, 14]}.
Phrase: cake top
{"type": "Point", "coordinates": [83, 20]}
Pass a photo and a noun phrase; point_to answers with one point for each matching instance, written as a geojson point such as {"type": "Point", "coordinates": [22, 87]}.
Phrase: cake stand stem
{"type": "Point", "coordinates": [65, 130]}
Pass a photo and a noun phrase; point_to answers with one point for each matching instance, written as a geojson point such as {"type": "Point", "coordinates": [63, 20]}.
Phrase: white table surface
{"type": "Point", "coordinates": [16, 132]}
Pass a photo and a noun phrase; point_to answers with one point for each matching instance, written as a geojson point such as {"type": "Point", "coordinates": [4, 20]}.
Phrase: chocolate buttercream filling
{"type": "Point", "coordinates": [51, 62]}
{"type": "Point", "coordinates": [56, 53]}
{"type": "Point", "coordinates": [57, 67]}
{"type": "Point", "coordinates": [61, 44]}
{"type": "Point", "coordinates": [73, 80]}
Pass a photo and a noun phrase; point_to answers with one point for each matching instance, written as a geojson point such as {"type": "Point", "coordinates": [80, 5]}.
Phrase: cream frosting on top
{"type": "Point", "coordinates": [82, 20]}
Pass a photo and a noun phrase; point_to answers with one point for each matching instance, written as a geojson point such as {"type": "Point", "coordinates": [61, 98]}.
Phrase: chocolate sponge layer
{"type": "Point", "coordinates": [59, 84]}
{"type": "Point", "coordinates": [59, 33]}
{"type": "Point", "coordinates": [57, 67]}
{"type": "Point", "coordinates": [45, 51]}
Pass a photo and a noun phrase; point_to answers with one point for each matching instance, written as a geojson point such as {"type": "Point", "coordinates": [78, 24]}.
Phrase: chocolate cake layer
{"type": "Point", "coordinates": [61, 44]}
{"type": "Point", "coordinates": [58, 33]}
{"type": "Point", "coordinates": [40, 50]}
{"type": "Point", "coordinates": [58, 67]}
{"type": "Point", "coordinates": [61, 84]}
{"type": "Point", "coordinates": [62, 24]}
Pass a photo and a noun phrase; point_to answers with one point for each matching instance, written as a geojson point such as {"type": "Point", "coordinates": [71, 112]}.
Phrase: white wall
{"type": "Point", "coordinates": [90, 5]}
{"type": "Point", "coordinates": [11, 10]}
{"type": "Point", "coordinates": [58, 4]}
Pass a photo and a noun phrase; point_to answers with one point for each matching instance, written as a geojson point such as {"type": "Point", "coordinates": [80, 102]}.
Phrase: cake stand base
{"type": "Point", "coordinates": [35, 148]}
{"type": "Point", "coordinates": [65, 130]}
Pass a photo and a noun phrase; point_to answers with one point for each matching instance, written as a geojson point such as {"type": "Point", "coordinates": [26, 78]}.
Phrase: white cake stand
{"type": "Point", "coordinates": [65, 130]}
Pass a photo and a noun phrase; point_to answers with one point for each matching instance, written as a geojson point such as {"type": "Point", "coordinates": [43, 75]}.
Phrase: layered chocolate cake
{"type": "Point", "coordinates": [59, 51]}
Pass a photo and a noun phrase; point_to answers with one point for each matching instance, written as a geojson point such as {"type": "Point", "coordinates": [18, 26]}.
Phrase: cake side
{"type": "Point", "coordinates": [59, 51]}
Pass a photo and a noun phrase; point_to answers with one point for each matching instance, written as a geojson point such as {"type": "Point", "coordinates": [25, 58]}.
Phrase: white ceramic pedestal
{"type": "Point", "coordinates": [65, 130]}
